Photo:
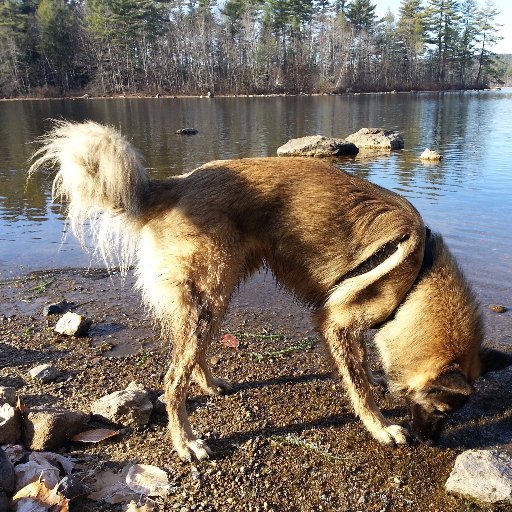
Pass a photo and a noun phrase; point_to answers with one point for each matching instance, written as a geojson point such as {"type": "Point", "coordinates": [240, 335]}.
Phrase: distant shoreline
{"type": "Point", "coordinates": [269, 95]}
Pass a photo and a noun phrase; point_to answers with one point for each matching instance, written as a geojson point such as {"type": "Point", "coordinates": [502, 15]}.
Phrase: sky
{"type": "Point", "coordinates": [504, 18]}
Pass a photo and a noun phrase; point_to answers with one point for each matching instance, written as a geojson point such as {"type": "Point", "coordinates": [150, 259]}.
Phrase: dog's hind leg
{"type": "Point", "coordinates": [207, 382]}
{"type": "Point", "coordinates": [191, 329]}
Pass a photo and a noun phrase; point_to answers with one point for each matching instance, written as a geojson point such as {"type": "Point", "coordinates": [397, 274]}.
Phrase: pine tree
{"type": "Point", "coordinates": [361, 14]}
{"type": "Point", "coordinates": [487, 37]}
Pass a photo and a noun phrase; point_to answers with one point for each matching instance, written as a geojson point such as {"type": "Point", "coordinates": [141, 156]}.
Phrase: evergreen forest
{"type": "Point", "coordinates": [104, 47]}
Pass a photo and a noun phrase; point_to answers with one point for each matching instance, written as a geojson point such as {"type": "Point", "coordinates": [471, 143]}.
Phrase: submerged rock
{"type": "Point", "coordinates": [430, 155]}
{"type": "Point", "coordinates": [376, 138]}
{"type": "Point", "coordinates": [485, 475]}
{"type": "Point", "coordinates": [72, 324]}
{"type": "Point", "coordinates": [187, 131]}
{"type": "Point", "coordinates": [317, 146]}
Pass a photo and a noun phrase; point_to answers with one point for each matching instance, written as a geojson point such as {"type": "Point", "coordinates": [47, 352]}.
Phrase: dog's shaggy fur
{"type": "Point", "coordinates": [357, 254]}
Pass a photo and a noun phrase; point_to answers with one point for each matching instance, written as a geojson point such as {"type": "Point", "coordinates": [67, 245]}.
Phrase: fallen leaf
{"type": "Point", "coordinates": [33, 471]}
{"type": "Point", "coordinates": [95, 436]}
{"type": "Point", "coordinates": [21, 406]}
{"type": "Point", "coordinates": [230, 341]}
{"type": "Point", "coordinates": [40, 493]}
{"type": "Point", "coordinates": [14, 452]}
{"type": "Point", "coordinates": [54, 459]}
{"type": "Point", "coordinates": [148, 480]}
{"type": "Point", "coordinates": [112, 488]}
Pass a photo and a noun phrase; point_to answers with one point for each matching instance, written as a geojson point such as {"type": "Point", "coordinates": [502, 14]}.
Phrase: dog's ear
{"type": "Point", "coordinates": [451, 388]}
{"type": "Point", "coordinates": [492, 360]}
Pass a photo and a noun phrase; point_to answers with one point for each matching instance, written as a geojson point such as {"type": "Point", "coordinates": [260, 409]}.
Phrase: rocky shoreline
{"type": "Point", "coordinates": [286, 439]}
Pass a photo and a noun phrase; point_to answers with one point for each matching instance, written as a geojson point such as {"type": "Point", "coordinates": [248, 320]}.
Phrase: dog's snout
{"type": "Point", "coordinates": [426, 425]}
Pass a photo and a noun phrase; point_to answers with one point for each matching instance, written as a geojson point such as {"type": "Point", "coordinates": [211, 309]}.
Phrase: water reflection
{"type": "Point", "coordinates": [466, 197]}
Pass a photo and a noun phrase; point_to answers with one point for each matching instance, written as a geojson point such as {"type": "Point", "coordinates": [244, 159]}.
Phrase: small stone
{"type": "Point", "coordinates": [46, 428]}
{"type": "Point", "coordinates": [45, 373]}
{"type": "Point", "coordinates": [7, 476]}
{"type": "Point", "coordinates": [317, 146]}
{"type": "Point", "coordinates": [127, 407]}
{"type": "Point", "coordinates": [430, 155]}
{"type": "Point", "coordinates": [72, 324]}
{"type": "Point", "coordinates": [159, 405]}
{"type": "Point", "coordinates": [72, 487]}
{"type": "Point", "coordinates": [10, 426]}
{"type": "Point", "coordinates": [187, 131]}
{"type": "Point", "coordinates": [215, 360]}
{"type": "Point", "coordinates": [497, 308]}
{"type": "Point", "coordinates": [58, 308]}
{"type": "Point", "coordinates": [7, 395]}
{"type": "Point", "coordinates": [485, 475]}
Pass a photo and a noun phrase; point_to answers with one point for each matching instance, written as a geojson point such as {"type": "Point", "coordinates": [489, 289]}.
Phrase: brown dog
{"type": "Point", "coordinates": [358, 254]}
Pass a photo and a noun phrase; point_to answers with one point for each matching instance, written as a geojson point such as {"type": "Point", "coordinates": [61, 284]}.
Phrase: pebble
{"type": "Point", "coordinates": [45, 373]}
{"type": "Point", "coordinates": [58, 308]}
{"type": "Point", "coordinates": [497, 308]}
{"type": "Point", "coordinates": [73, 324]}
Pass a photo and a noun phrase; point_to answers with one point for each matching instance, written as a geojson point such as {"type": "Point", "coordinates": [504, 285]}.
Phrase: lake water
{"type": "Point", "coordinates": [467, 197]}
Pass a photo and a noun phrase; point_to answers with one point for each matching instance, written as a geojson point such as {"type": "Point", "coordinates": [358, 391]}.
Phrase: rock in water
{"type": "Point", "coordinates": [317, 146]}
{"type": "Point", "coordinates": [376, 138]}
{"type": "Point", "coordinates": [432, 156]}
{"type": "Point", "coordinates": [485, 475]}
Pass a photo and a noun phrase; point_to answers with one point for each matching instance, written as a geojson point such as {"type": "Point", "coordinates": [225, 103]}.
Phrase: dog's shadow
{"type": "Point", "coordinates": [486, 420]}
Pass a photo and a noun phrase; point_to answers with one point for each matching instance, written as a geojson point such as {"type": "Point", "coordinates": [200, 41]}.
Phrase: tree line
{"type": "Point", "coordinates": [62, 47]}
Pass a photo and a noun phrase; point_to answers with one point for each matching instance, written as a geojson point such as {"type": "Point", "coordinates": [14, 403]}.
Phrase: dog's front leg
{"type": "Point", "coordinates": [344, 344]}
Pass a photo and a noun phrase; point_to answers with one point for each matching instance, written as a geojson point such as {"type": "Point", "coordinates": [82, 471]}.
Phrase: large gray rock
{"type": "Point", "coordinates": [48, 428]}
{"type": "Point", "coordinates": [7, 477]}
{"type": "Point", "coordinates": [129, 407]}
{"type": "Point", "coordinates": [10, 426]}
{"type": "Point", "coordinates": [485, 475]}
{"type": "Point", "coordinates": [317, 146]}
{"type": "Point", "coordinates": [7, 395]}
{"type": "Point", "coordinates": [72, 324]}
{"type": "Point", "coordinates": [376, 139]}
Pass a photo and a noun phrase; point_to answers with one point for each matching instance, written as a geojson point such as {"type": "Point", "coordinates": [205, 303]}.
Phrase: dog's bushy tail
{"type": "Point", "coordinates": [101, 176]}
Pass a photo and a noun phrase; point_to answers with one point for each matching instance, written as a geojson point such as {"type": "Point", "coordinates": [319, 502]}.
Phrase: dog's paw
{"type": "Point", "coordinates": [393, 435]}
{"type": "Point", "coordinates": [196, 449]}
{"type": "Point", "coordinates": [219, 387]}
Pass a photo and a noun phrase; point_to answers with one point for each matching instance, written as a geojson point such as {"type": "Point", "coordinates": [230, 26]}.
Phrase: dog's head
{"type": "Point", "coordinates": [430, 406]}
{"type": "Point", "coordinates": [432, 347]}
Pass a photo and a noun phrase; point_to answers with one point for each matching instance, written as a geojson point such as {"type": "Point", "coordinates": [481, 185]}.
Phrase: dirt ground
{"type": "Point", "coordinates": [285, 440]}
